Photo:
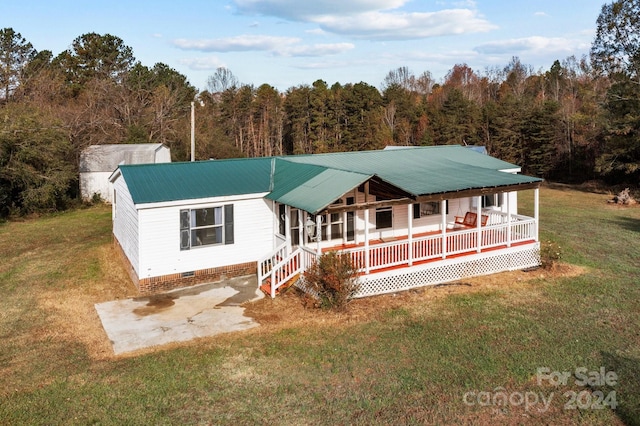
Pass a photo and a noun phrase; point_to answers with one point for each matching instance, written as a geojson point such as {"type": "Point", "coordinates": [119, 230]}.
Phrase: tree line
{"type": "Point", "coordinates": [578, 120]}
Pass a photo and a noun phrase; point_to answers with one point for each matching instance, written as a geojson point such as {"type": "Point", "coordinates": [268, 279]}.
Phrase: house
{"type": "Point", "coordinates": [97, 163]}
{"type": "Point", "coordinates": [407, 217]}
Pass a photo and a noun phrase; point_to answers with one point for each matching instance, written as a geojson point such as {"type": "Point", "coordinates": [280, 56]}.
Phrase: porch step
{"type": "Point", "coordinates": [266, 286]}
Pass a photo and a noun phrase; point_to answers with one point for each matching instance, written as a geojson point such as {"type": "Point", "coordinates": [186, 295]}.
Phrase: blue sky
{"type": "Point", "coordinates": [287, 43]}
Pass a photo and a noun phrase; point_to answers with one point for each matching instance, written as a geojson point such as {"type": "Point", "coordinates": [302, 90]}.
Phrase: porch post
{"type": "Point", "coordinates": [301, 241]}
{"type": "Point", "coordinates": [479, 223]}
{"type": "Point", "coordinates": [443, 215]}
{"type": "Point", "coordinates": [366, 241]}
{"type": "Point", "coordinates": [287, 228]}
{"type": "Point", "coordinates": [318, 233]}
{"type": "Point", "coordinates": [508, 219]}
{"type": "Point", "coordinates": [410, 231]}
{"type": "Point", "coordinates": [366, 229]}
{"type": "Point", "coordinates": [536, 211]}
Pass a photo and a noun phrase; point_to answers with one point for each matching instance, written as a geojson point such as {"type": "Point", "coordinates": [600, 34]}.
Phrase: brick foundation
{"type": "Point", "coordinates": [172, 281]}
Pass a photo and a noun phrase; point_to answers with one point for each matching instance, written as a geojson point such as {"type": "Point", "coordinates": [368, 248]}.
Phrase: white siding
{"type": "Point", "coordinates": [95, 183]}
{"type": "Point", "coordinates": [125, 222]}
{"type": "Point", "coordinates": [163, 155]}
{"type": "Point", "coordinates": [160, 252]}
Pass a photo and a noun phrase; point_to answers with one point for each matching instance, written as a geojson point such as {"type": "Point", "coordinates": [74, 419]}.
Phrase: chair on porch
{"type": "Point", "coordinates": [469, 220]}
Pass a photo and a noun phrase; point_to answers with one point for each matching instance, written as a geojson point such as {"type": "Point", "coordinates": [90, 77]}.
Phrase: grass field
{"type": "Point", "coordinates": [438, 355]}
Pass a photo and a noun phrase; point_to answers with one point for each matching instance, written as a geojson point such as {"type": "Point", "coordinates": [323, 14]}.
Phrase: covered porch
{"type": "Point", "coordinates": [421, 250]}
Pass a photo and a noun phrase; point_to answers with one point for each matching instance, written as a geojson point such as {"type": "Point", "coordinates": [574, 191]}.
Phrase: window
{"type": "Point", "coordinates": [350, 220]}
{"type": "Point", "coordinates": [332, 224]}
{"type": "Point", "coordinates": [492, 200]}
{"type": "Point", "coordinates": [336, 225]}
{"type": "Point", "coordinates": [295, 228]}
{"type": "Point", "coordinates": [205, 227]}
{"type": "Point", "coordinates": [282, 212]}
{"type": "Point", "coordinates": [427, 209]}
{"type": "Point", "coordinates": [384, 217]}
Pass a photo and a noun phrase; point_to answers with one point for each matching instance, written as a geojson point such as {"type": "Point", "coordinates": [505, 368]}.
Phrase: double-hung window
{"type": "Point", "coordinates": [428, 209]}
{"type": "Point", "coordinates": [384, 217]}
{"type": "Point", "coordinates": [206, 226]}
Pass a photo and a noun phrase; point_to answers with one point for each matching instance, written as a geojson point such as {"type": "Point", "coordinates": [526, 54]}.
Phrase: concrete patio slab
{"type": "Point", "coordinates": [180, 315]}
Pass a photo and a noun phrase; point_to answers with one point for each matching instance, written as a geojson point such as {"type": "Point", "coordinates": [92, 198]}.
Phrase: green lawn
{"type": "Point", "coordinates": [413, 364]}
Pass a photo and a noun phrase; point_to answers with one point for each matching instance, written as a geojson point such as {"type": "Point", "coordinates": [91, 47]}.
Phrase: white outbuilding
{"type": "Point", "coordinates": [98, 162]}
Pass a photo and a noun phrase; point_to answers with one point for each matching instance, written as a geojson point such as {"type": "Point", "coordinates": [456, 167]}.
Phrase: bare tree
{"type": "Point", "coordinates": [221, 81]}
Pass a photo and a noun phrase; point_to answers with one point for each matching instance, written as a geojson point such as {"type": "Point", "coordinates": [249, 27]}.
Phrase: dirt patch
{"type": "Point", "coordinates": [156, 304]}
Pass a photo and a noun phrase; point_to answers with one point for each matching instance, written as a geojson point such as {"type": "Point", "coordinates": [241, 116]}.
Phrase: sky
{"type": "Point", "coordinates": [289, 43]}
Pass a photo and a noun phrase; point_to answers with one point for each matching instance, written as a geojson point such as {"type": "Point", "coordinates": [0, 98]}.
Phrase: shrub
{"type": "Point", "coordinates": [334, 279]}
{"type": "Point", "coordinates": [550, 254]}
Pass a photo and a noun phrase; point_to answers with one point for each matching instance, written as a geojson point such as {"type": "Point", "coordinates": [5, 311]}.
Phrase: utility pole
{"type": "Point", "coordinates": [193, 132]}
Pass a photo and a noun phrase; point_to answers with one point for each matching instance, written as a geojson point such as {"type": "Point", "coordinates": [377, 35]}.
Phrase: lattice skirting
{"type": "Point", "coordinates": [450, 270]}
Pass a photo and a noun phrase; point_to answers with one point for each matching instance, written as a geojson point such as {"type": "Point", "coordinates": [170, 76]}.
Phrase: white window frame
{"type": "Point", "coordinates": [189, 228]}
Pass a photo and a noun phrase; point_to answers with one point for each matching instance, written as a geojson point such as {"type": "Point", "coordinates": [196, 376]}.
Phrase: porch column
{"type": "Point", "coordinates": [479, 223]}
{"type": "Point", "coordinates": [287, 228]}
{"type": "Point", "coordinates": [301, 241]}
{"type": "Point", "coordinates": [366, 229]}
{"type": "Point", "coordinates": [318, 233]}
{"type": "Point", "coordinates": [366, 241]}
{"type": "Point", "coordinates": [508, 219]}
{"type": "Point", "coordinates": [410, 231]}
{"type": "Point", "coordinates": [443, 215]}
{"type": "Point", "coordinates": [536, 211]}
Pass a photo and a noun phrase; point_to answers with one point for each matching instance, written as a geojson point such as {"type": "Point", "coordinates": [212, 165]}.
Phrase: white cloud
{"type": "Point", "coordinates": [314, 50]}
{"type": "Point", "coordinates": [278, 46]}
{"type": "Point", "coordinates": [403, 26]}
{"type": "Point", "coordinates": [534, 44]}
{"type": "Point", "coordinates": [303, 10]}
{"type": "Point", "coordinates": [540, 14]}
{"type": "Point", "coordinates": [316, 31]}
{"type": "Point", "coordinates": [373, 19]}
{"type": "Point", "coordinates": [200, 64]}
{"type": "Point", "coordinates": [240, 43]}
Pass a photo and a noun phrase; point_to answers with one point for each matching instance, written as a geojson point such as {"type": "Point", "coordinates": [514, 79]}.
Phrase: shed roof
{"type": "Point", "coordinates": [312, 182]}
{"type": "Point", "coordinates": [106, 158]}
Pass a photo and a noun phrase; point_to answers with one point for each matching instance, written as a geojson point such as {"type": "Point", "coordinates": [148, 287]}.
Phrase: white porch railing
{"type": "Point", "coordinates": [267, 263]}
{"type": "Point", "coordinates": [278, 267]}
{"type": "Point", "coordinates": [429, 247]}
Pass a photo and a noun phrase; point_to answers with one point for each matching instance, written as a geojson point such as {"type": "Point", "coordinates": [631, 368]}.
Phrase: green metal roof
{"type": "Point", "coordinates": [152, 183]}
{"type": "Point", "coordinates": [311, 187]}
{"type": "Point", "coordinates": [312, 182]}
